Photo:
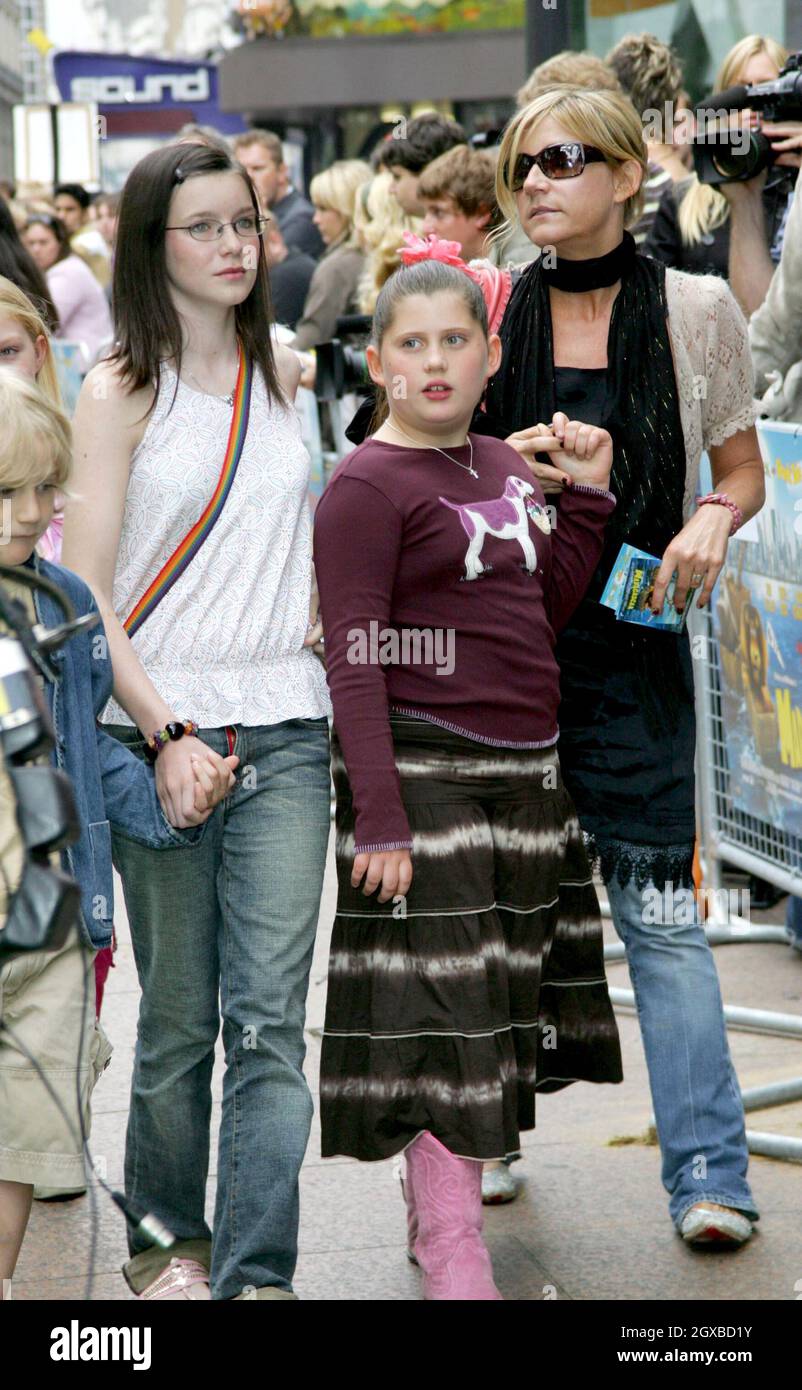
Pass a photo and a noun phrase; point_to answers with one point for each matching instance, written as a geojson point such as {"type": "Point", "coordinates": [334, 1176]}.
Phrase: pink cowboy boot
{"type": "Point", "coordinates": [448, 1205]}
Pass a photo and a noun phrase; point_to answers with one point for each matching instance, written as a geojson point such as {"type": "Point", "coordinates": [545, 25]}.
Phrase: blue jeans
{"type": "Point", "coordinates": [234, 916]}
{"type": "Point", "coordinates": [697, 1101]}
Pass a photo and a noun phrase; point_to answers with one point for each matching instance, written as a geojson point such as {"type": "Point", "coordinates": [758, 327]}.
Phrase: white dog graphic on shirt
{"type": "Point", "coordinates": [504, 517]}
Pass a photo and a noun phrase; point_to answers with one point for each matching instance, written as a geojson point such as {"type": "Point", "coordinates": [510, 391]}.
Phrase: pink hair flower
{"type": "Point", "coordinates": [495, 284]}
{"type": "Point", "coordinates": [430, 248]}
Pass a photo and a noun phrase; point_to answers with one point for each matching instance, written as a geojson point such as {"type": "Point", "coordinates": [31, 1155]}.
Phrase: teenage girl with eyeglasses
{"type": "Point", "coordinates": [220, 656]}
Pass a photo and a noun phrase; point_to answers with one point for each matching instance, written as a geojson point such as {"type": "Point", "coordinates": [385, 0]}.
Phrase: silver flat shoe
{"type": "Point", "coordinates": [498, 1185]}
{"type": "Point", "coordinates": [712, 1226]}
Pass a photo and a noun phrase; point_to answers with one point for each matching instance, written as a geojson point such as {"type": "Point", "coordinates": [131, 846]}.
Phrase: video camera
{"type": "Point", "coordinates": [724, 155]}
{"type": "Point", "coordinates": [343, 367]}
{"type": "Point", "coordinates": [45, 902]}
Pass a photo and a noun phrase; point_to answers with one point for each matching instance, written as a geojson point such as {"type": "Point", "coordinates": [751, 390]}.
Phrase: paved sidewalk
{"type": "Point", "coordinates": [591, 1219]}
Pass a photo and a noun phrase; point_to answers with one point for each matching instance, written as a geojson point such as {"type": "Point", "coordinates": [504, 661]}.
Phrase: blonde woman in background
{"type": "Point", "coordinates": [691, 229]}
{"type": "Point", "coordinates": [334, 287]}
{"type": "Point", "coordinates": [380, 224]}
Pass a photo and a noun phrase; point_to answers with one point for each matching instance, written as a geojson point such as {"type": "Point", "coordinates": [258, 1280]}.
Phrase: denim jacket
{"type": "Point", "coordinates": [111, 785]}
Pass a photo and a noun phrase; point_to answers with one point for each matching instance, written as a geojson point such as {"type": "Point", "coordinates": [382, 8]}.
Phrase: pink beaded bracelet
{"type": "Point", "coordinates": [724, 501]}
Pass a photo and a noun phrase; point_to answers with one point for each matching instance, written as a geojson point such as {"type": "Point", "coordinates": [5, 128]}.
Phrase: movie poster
{"type": "Point", "coordinates": [757, 615]}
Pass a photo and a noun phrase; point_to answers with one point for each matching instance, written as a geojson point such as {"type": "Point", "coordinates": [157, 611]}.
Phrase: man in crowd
{"type": "Point", "coordinates": [457, 194]}
{"type": "Point", "coordinates": [261, 154]}
{"type": "Point", "coordinates": [776, 330]}
{"type": "Point", "coordinates": [71, 203]}
{"type": "Point", "coordinates": [426, 137]}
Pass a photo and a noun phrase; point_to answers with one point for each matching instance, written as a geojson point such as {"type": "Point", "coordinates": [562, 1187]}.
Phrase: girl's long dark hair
{"type": "Point", "coordinates": [147, 324]}
{"type": "Point", "coordinates": [18, 266]}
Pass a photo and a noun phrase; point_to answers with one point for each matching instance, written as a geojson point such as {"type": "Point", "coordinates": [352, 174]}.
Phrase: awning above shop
{"type": "Point", "coordinates": [293, 75]}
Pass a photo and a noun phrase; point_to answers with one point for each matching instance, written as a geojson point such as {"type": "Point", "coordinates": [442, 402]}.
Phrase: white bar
{"type": "Point", "coordinates": [753, 1020]}
{"type": "Point", "coordinates": [731, 935]}
{"type": "Point", "coordinates": [78, 137]}
{"type": "Point", "coordinates": [775, 1093]}
{"type": "Point", "coordinates": [774, 1145]}
{"type": "Point", "coordinates": [34, 156]}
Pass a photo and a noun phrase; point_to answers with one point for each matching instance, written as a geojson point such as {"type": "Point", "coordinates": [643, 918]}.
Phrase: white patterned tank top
{"type": "Point", "coordinates": [225, 646]}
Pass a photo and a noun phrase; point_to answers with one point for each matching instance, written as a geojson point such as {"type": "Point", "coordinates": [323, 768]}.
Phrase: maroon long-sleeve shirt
{"type": "Point", "coordinates": [441, 597]}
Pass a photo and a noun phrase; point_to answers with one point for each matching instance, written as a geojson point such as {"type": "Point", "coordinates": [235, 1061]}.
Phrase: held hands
{"type": "Point", "coordinates": [314, 630]}
{"type": "Point", "coordinates": [191, 779]}
{"type": "Point", "coordinates": [578, 453]}
{"type": "Point", "coordinates": [390, 870]}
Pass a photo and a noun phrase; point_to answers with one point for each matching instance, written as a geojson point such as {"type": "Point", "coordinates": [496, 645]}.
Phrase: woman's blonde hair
{"type": "Point", "coordinates": [14, 304]}
{"type": "Point", "coordinates": [607, 120]}
{"type": "Point", "coordinates": [337, 188]}
{"type": "Point", "coordinates": [36, 441]}
{"type": "Point", "coordinates": [703, 208]}
{"type": "Point", "coordinates": [379, 223]}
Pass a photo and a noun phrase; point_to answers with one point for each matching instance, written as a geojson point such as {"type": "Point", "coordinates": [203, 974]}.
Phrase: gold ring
{"type": "Point", "coordinates": [696, 580]}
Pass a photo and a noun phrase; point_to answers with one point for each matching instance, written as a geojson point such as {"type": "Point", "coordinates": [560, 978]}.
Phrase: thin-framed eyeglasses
{"type": "Point", "coordinates": [249, 225]}
{"type": "Point", "coordinates": [564, 161]}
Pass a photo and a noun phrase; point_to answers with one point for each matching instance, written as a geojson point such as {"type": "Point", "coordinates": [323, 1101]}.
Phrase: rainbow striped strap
{"type": "Point", "coordinates": [186, 551]}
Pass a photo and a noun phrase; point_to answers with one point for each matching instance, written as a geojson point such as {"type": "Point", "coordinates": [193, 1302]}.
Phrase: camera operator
{"type": "Point", "coordinates": [774, 111]}
{"type": "Point", "coordinates": [691, 229]}
{"type": "Point", "coordinates": [751, 268]}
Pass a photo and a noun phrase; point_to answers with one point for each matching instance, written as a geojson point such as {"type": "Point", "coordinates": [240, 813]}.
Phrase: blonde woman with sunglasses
{"type": "Point", "coordinates": [659, 358]}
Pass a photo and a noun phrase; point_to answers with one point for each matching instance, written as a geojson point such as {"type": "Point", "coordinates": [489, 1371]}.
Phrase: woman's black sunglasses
{"type": "Point", "coordinates": [564, 161]}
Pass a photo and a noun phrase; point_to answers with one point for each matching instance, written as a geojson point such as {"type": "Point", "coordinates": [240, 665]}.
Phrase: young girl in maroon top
{"type": "Point", "coordinates": [466, 965]}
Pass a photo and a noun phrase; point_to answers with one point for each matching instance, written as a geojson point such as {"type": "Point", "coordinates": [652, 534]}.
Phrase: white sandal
{"type": "Point", "coordinates": [180, 1279]}
{"type": "Point", "coordinates": [711, 1226]}
{"type": "Point", "coordinates": [498, 1185]}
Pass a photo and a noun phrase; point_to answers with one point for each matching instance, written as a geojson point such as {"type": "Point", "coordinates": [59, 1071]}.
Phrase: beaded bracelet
{"type": "Point", "coordinates": [724, 501]}
{"type": "Point", "coordinates": [172, 731]}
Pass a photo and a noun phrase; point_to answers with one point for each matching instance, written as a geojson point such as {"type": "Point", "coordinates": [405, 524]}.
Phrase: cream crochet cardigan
{"type": "Point", "coordinates": [713, 365]}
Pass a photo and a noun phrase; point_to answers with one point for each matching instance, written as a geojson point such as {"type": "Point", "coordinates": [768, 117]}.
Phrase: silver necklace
{"type": "Point", "coordinates": [227, 400]}
{"type": "Point", "coordinates": [469, 468]}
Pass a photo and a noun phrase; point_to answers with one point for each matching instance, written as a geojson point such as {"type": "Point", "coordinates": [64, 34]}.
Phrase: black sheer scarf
{"type": "Point", "coordinates": [642, 407]}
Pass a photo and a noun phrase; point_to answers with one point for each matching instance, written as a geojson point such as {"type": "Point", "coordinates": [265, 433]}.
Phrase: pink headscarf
{"type": "Point", "coordinates": [495, 284]}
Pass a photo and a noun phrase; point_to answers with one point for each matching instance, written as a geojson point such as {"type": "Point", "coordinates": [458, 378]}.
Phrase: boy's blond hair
{"type": "Point", "coordinates": [36, 439]}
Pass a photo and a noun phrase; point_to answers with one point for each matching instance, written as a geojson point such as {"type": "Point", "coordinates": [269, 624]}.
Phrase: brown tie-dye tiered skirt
{"type": "Point", "coordinates": [448, 1010]}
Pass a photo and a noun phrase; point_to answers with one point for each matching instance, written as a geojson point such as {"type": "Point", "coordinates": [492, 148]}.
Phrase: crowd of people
{"type": "Point", "coordinates": [542, 313]}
